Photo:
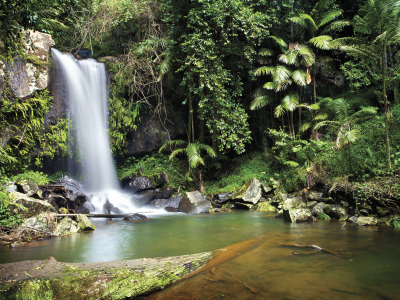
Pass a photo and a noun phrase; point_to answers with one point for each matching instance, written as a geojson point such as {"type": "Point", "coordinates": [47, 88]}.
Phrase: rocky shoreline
{"type": "Point", "coordinates": [62, 208]}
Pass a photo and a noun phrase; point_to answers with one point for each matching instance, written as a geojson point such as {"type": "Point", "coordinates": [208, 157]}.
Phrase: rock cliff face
{"type": "Point", "coordinates": [26, 76]}
{"type": "Point", "coordinates": [22, 77]}
{"type": "Point", "coordinates": [153, 132]}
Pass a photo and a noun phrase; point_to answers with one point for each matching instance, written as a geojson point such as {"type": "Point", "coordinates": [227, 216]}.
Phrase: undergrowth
{"type": "Point", "coordinates": [155, 164]}
{"type": "Point", "coordinates": [247, 166]}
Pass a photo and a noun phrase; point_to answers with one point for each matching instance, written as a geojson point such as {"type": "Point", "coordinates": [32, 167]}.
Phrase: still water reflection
{"type": "Point", "coordinates": [363, 262]}
{"type": "Point", "coordinates": [163, 235]}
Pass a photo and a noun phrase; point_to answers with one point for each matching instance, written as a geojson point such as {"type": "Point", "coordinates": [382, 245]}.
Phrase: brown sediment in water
{"type": "Point", "coordinates": [354, 266]}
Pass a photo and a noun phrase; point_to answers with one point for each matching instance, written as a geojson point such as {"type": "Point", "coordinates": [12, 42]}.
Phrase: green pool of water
{"type": "Point", "coordinates": [361, 262]}
{"type": "Point", "coordinates": [164, 235]}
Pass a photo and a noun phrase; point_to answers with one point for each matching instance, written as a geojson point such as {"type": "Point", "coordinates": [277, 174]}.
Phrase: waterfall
{"type": "Point", "coordinates": [87, 92]}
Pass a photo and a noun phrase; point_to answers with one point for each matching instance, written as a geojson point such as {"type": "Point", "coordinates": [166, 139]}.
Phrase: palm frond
{"type": "Point", "coordinates": [269, 86]}
{"type": "Point", "coordinates": [307, 55]}
{"type": "Point", "coordinates": [330, 16]}
{"type": "Point", "coordinates": [337, 25]}
{"type": "Point", "coordinates": [260, 101]}
{"type": "Point", "coordinates": [309, 22]}
{"type": "Point", "coordinates": [172, 143]}
{"type": "Point", "coordinates": [297, 20]}
{"type": "Point", "coordinates": [299, 77]}
{"type": "Point", "coordinates": [176, 152]}
{"type": "Point", "coordinates": [280, 86]}
{"type": "Point", "coordinates": [210, 151]}
{"type": "Point", "coordinates": [279, 41]}
{"type": "Point", "coordinates": [264, 70]}
{"type": "Point", "coordinates": [322, 42]}
{"type": "Point", "coordinates": [281, 74]}
{"type": "Point", "coordinates": [290, 101]}
{"type": "Point", "coordinates": [193, 153]}
{"type": "Point", "coordinates": [279, 111]}
{"type": "Point", "coordinates": [266, 52]}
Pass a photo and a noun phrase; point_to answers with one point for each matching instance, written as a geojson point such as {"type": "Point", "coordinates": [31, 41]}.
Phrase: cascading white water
{"type": "Point", "coordinates": [87, 91]}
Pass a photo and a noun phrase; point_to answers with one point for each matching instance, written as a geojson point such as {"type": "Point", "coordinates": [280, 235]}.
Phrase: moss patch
{"type": "Point", "coordinates": [114, 280]}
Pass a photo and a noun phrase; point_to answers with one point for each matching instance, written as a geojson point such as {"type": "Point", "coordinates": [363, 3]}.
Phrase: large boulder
{"type": "Point", "coordinates": [167, 192]}
{"type": "Point", "coordinates": [335, 211]}
{"type": "Point", "coordinates": [319, 208]}
{"type": "Point", "coordinates": [163, 203]}
{"type": "Point", "coordinates": [295, 202]}
{"type": "Point", "coordinates": [298, 215]}
{"type": "Point", "coordinates": [139, 184]}
{"type": "Point", "coordinates": [135, 218]}
{"type": "Point", "coordinates": [161, 179]}
{"type": "Point", "coordinates": [25, 76]}
{"type": "Point", "coordinates": [32, 206]}
{"type": "Point", "coordinates": [66, 226]}
{"type": "Point", "coordinates": [223, 197]}
{"type": "Point", "coordinates": [42, 221]}
{"type": "Point", "coordinates": [27, 187]}
{"type": "Point", "coordinates": [194, 203]}
{"type": "Point", "coordinates": [367, 221]}
{"type": "Point", "coordinates": [73, 191]}
{"type": "Point", "coordinates": [84, 223]}
{"type": "Point", "coordinates": [265, 206]}
{"type": "Point", "coordinates": [250, 192]}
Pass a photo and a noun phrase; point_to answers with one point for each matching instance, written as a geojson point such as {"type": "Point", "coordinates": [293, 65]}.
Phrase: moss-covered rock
{"type": "Point", "coordinates": [367, 221]}
{"type": "Point", "coordinates": [27, 187]}
{"type": "Point", "coordinates": [66, 226]}
{"type": "Point", "coordinates": [297, 215]}
{"type": "Point", "coordinates": [84, 223]}
{"type": "Point", "coordinates": [265, 206]}
{"type": "Point", "coordinates": [292, 203]}
{"type": "Point", "coordinates": [250, 192]}
{"type": "Point", "coordinates": [335, 211]}
{"type": "Point", "coordinates": [41, 221]}
{"type": "Point", "coordinates": [33, 206]}
{"type": "Point", "coordinates": [319, 208]}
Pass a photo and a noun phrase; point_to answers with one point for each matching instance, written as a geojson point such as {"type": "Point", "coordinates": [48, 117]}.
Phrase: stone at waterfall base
{"type": "Point", "coordinates": [194, 203]}
{"type": "Point", "coordinates": [47, 222]}
{"type": "Point", "coordinates": [50, 279]}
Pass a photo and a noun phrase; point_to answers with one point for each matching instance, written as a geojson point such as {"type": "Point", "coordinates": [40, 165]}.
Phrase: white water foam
{"type": "Point", "coordinates": [87, 91]}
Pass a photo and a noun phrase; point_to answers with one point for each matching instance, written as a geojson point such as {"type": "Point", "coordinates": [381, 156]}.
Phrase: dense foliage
{"type": "Point", "coordinates": [311, 87]}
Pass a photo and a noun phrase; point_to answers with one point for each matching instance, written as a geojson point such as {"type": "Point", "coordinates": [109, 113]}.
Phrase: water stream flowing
{"type": "Point", "coordinates": [86, 83]}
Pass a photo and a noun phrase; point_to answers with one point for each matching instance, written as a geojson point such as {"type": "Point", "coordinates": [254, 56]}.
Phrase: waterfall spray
{"type": "Point", "coordinates": [87, 92]}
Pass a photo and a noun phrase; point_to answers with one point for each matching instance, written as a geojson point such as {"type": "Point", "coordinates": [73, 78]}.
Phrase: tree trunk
{"type": "Point", "coordinates": [291, 117]}
{"type": "Point", "coordinates": [389, 165]}
{"type": "Point", "coordinates": [300, 112]}
{"type": "Point", "coordinates": [315, 88]}
{"type": "Point", "coordinates": [190, 119]}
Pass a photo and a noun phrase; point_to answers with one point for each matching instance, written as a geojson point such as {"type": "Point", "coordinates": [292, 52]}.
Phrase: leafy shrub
{"type": "Point", "coordinates": [6, 219]}
{"type": "Point", "coordinates": [246, 167]}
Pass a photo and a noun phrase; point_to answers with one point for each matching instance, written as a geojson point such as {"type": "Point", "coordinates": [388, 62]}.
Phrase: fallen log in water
{"type": "Point", "coordinates": [99, 215]}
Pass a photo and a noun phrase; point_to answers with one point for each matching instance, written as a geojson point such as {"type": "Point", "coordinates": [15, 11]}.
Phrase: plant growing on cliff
{"type": "Point", "coordinates": [23, 120]}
